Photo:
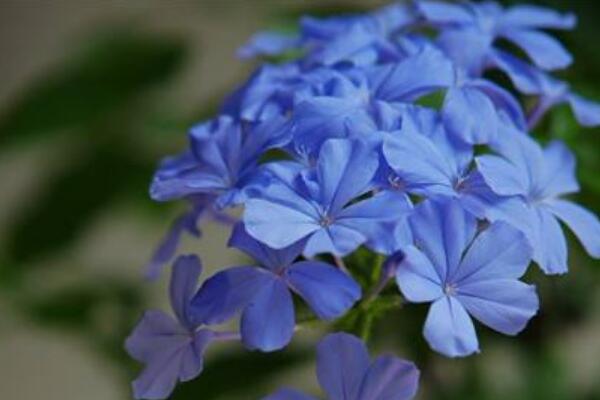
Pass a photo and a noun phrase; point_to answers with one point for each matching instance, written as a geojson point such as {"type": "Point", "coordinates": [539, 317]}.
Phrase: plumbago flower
{"type": "Point", "coordinates": [541, 177]}
{"type": "Point", "coordinates": [346, 373]}
{"type": "Point", "coordinates": [389, 151]}
{"type": "Point", "coordinates": [317, 203]}
{"type": "Point", "coordinates": [172, 349]}
{"type": "Point", "coordinates": [465, 272]}
{"type": "Point", "coordinates": [263, 292]}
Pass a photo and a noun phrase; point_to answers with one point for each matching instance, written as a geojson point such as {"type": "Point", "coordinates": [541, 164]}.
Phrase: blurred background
{"type": "Point", "coordinates": [93, 94]}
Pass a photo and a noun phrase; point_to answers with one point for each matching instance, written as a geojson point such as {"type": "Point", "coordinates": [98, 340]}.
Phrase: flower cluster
{"type": "Point", "coordinates": [370, 131]}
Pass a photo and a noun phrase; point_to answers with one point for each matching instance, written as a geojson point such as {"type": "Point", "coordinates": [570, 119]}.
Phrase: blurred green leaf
{"type": "Point", "coordinates": [110, 71]}
{"type": "Point", "coordinates": [76, 306]}
{"type": "Point", "coordinates": [69, 201]}
{"type": "Point", "coordinates": [242, 375]}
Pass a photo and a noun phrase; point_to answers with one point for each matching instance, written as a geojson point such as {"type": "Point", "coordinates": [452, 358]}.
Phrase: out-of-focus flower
{"type": "Point", "coordinates": [345, 372]}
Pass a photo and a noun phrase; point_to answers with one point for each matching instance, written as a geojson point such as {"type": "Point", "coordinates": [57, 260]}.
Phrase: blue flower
{"type": "Point", "coordinates": [360, 39]}
{"type": "Point", "coordinates": [263, 293]}
{"type": "Point", "coordinates": [472, 108]}
{"type": "Point", "coordinates": [345, 372]}
{"type": "Point", "coordinates": [222, 161]}
{"type": "Point", "coordinates": [172, 349]}
{"type": "Point", "coordinates": [550, 91]}
{"type": "Point", "coordinates": [268, 43]}
{"type": "Point", "coordinates": [465, 273]}
{"type": "Point", "coordinates": [469, 30]}
{"type": "Point", "coordinates": [541, 177]}
{"type": "Point", "coordinates": [323, 205]}
{"type": "Point", "coordinates": [187, 222]}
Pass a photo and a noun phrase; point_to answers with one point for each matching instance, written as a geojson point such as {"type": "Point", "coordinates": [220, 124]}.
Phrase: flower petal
{"type": "Point", "coordinates": [336, 239]}
{"type": "Point", "coordinates": [586, 112]}
{"type": "Point", "coordinates": [155, 331]}
{"type": "Point", "coordinates": [470, 115]}
{"type": "Point", "coordinates": [440, 12]}
{"type": "Point", "coordinates": [345, 169]}
{"type": "Point", "coordinates": [397, 82]}
{"type": "Point", "coordinates": [184, 280]}
{"type": "Point", "coordinates": [266, 256]}
{"type": "Point", "coordinates": [420, 164]}
{"type": "Point", "coordinates": [502, 176]}
{"type": "Point", "coordinates": [545, 51]}
{"type": "Point", "coordinates": [530, 16]}
{"type": "Point", "coordinates": [583, 223]}
{"type": "Point", "coordinates": [268, 321]}
{"type": "Point", "coordinates": [417, 278]}
{"type": "Point", "coordinates": [278, 225]}
{"type": "Point", "coordinates": [449, 329]}
{"type": "Point", "coordinates": [499, 252]}
{"type": "Point", "coordinates": [288, 394]}
{"type": "Point", "coordinates": [548, 241]}
{"type": "Point", "coordinates": [442, 231]}
{"type": "Point", "coordinates": [167, 248]}
{"type": "Point", "coordinates": [328, 291]}
{"type": "Point", "coordinates": [342, 361]}
{"type": "Point", "coordinates": [390, 378]}
{"type": "Point", "coordinates": [224, 294]}
{"type": "Point", "coordinates": [559, 170]}
{"type": "Point", "coordinates": [505, 305]}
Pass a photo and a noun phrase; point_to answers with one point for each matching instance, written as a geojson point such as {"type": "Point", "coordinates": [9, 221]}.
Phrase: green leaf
{"type": "Point", "coordinates": [242, 375]}
{"type": "Point", "coordinates": [69, 201]}
{"type": "Point", "coordinates": [113, 68]}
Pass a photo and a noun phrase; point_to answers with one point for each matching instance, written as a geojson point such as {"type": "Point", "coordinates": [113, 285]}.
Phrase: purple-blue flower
{"type": "Point", "coordinates": [222, 161]}
{"type": "Point", "coordinates": [345, 372]}
{"type": "Point", "coordinates": [335, 149]}
{"type": "Point", "coordinates": [263, 292]}
{"type": "Point", "coordinates": [468, 32]}
{"type": "Point", "coordinates": [541, 177]}
{"type": "Point", "coordinates": [171, 348]}
{"type": "Point", "coordinates": [465, 273]}
{"type": "Point", "coordinates": [323, 203]}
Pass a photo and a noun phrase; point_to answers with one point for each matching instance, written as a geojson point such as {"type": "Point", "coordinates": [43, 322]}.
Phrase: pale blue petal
{"type": "Point", "coordinates": [545, 51]}
{"type": "Point", "coordinates": [417, 278]}
{"type": "Point", "coordinates": [345, 170]}
{"type": "Point", "coordinates": [524, 76]}
{"type": "Point", "coordinates": [505, 305]}
{"type": "Point", "coordinates": [582, 222]}
{"type": "Point", "coordinates": [420, 164]}
{"type": "Point", "coordinates": [470, 115]}
{"type": "Point", "coordinates": [502, 176]}
{"type": "Point", "coordinates": [397, 82]}
{"type": "Point", "coordinates": [559, 170]}
{"type": "Point", "coordinates": [278, 225]}
{"type": "Point", "coordinates": [442, 230]}
{"type": "Point", "coordinates": [504, 102]}
{"type": "Point", "coordinates": [449, 329]}
{"type": "Point", "coordinates": [530, 16]}
{"type": "Point", "coordinates": [548, 241]}
{"type": "Point", "coordinates": [439, 12]}
{"type": "Point", "coordinates": [499, 252]}
{"type": "Point", "coordinates": [586, 112]}
{"type": "Point", "coordinates": [267, 44]}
